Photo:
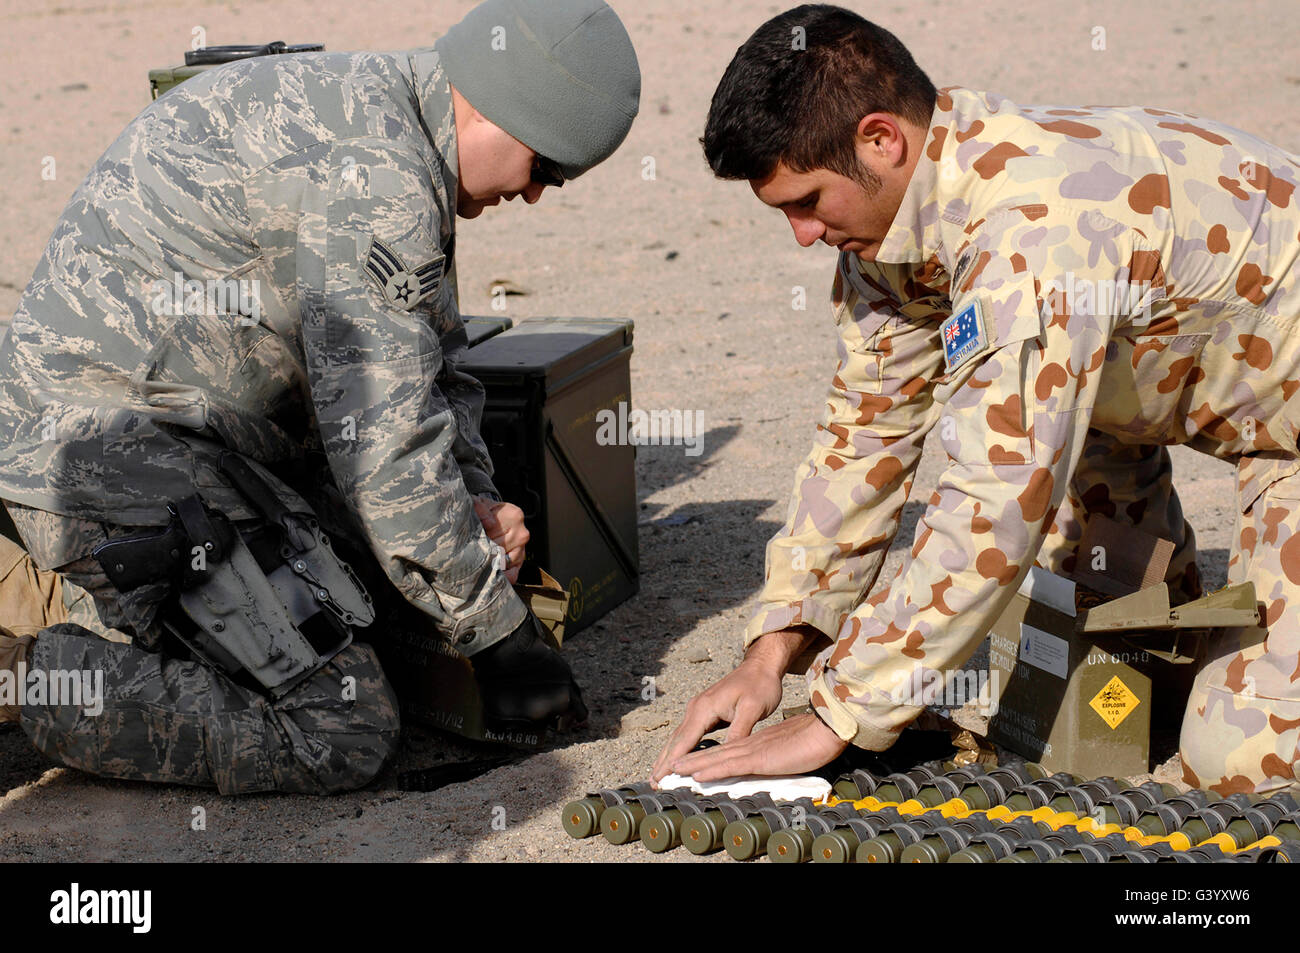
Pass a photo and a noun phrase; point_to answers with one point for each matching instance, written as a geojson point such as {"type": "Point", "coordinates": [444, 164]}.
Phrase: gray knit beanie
{"type": "Point", "coordinates": [560, 76]}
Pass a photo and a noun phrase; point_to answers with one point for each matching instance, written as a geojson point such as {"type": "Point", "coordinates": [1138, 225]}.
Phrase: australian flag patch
{"type": "Point", "coordinates": [402, 286]}
{"type": "Point", "coordinates": [964, 335]}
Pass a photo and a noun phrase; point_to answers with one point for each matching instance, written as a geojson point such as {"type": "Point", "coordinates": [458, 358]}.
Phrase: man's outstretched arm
{"type": "Point", "coordinates": [849, 493]}
{"type": "Point", "coordinates": [846, 502]}
{"type": "Point", "coordinates": [1014, 424]}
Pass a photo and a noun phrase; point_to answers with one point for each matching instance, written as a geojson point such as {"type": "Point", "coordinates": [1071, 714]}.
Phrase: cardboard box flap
{"type": "Point", "coordinates": [1149, 609]}
{"type": "Point", "coordinates": [1116, 560]}
{"type": "Point", "coordinates": [1048, 589]}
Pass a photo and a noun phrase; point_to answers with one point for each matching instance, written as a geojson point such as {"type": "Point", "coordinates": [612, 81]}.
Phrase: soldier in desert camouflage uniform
{"type": "Point", "coordinates": [328, 185]}
{"type": "Point", "coordinates": [1061, 293]}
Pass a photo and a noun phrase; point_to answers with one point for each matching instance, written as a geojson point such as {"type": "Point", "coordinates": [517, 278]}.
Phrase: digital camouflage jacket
{"type": "Point", "coordinates": [258, 264]}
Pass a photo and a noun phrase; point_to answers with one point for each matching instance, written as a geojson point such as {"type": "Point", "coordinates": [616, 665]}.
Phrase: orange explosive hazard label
{"type": "Point", "coordinates": [1114, 702]}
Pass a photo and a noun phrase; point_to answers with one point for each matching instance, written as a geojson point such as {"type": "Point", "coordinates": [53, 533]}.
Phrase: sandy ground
{"type": "Point", "coordinates": [706, 272]}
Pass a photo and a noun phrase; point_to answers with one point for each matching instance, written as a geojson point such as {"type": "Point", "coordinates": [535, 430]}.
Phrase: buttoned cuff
{"type": "Point", "coordinates": [845, 721]}
{"type": "Point", "coordinates": [474, 624]}
{"type": "Point", "coordinates": [777, 617]}
{"type": "Point", "coordinates": [489, 620]}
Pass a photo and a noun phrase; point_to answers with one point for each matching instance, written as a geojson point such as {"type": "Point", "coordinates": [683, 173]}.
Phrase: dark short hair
{"type": "Point", "coordinates": [778, 102]}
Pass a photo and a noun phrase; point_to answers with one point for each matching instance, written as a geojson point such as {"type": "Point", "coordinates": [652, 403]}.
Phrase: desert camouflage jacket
{"type": "Point", "coordinates": [258, 264]}
{"type": "Point", "coordinates": [1058, 281]}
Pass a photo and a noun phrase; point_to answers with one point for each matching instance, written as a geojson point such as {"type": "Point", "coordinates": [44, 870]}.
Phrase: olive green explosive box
{"type": "Point", "coordinates": [1077, 681]}
{"type": "Point", "coordinates": [549, 382]}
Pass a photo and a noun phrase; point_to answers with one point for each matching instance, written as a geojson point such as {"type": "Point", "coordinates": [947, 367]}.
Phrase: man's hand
{"type": "Point", "coordinates": [504, 525]}
{"type": "Point", "coordinates": [742, 699]}
{"type": "Point", "coordinates": [799, 744]}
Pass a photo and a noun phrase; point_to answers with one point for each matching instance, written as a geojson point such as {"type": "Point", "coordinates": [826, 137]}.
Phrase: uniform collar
{"type": "Point", "coordinates": [437, 115]}
{"type": "Point", "coordinates": [937, 188]}
{"type": "Point", "coordinates": [913, 235]}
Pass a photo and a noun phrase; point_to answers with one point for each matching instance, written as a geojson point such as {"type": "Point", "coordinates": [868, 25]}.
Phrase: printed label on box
{"type": "Point", "coordinates": [1044, 650]}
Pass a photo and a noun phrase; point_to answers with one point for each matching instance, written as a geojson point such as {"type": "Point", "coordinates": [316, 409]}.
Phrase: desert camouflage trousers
{"type": "Point", "coordinates": [1241, 731]}
{"type": "Point", "coordinates": [175, 720]}
{"type": "Point", "coordinates": [1241, 728]}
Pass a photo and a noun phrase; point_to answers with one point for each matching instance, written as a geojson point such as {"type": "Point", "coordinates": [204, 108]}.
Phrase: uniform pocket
{"type": "Point", "coordinates": [212, 330]}
{"type": "Point", "coordinates": [145, 743]}
{"type": "Point", "coordinates": [867, 358]}
{"type": "Point", "coordinates": [991, 415]}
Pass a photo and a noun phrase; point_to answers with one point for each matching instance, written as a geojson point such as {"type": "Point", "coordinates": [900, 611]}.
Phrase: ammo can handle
{"type": "Point", "coordinates": [211, 55]}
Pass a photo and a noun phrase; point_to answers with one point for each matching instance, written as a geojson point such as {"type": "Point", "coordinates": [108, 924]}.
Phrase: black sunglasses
{"type": "Point", "coordinates": [547, 172]}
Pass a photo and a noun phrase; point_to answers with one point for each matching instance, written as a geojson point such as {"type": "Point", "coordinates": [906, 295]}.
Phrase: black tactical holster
{"type": "Point", "coordinates": [271, 600]}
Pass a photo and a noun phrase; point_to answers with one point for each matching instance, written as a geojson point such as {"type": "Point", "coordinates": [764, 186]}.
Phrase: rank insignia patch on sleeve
{"type": "Point", "coordinates": [963, 335]}
{"type": "Point", "coordinates": [402, 286]}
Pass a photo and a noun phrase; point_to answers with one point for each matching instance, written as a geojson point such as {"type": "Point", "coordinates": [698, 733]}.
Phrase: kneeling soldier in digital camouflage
{"type": "Point", "coordinates": [970, 231]}
{"type": "Point", "coordinates": [246, 469]}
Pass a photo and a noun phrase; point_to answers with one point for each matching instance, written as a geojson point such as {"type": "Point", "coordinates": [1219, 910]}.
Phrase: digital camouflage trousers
{"type": "Point", "coordinates": [172, 719]}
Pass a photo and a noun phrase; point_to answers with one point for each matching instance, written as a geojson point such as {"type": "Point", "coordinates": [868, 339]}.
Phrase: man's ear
{"type": "Point", "coordinates": [883, 138]}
